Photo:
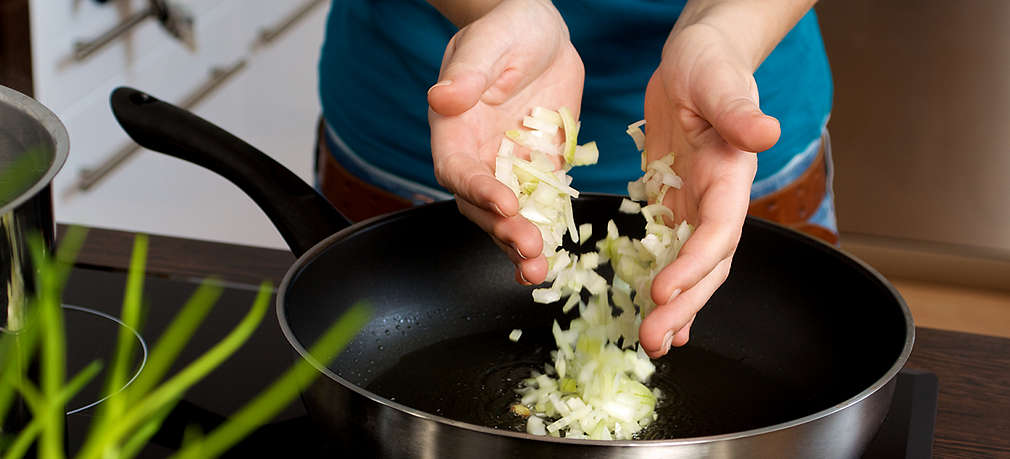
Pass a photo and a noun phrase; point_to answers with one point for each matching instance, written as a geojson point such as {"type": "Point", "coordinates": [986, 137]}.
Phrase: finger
{"type": "Point", "coordinates": [519, 262]}
{"type": "Point", "coordinates": [472, 180]}
{"type": "Point", "coordinates": [514, 255]}
{"type": "Point", "coordinates": [704, 250]}
{"type": "Point", "coordinates": [517, 237]}
{"type": "Point", "coordinates": [660, 328]}
{"type": "Point", "coordinates": [728, 99]}
{"type": "Point", "coordinates": [681, 337]}
{"type": "Point", "coordinates": [742, 124]}
{"type": "Point", "coordinates": [516, 232]}
{"type": "Point", "coordinates": [516, 258]}
{"type": "Point", "coordinates": [721, 214]}
{"type": "Point", "coordinates": [469, 67]}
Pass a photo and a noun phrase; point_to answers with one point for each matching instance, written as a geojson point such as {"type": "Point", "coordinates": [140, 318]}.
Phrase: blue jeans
{"type": "Point", "coordinates": [824, 216]}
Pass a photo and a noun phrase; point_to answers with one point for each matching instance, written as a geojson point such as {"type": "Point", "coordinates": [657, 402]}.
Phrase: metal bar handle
{"type": "Point", "coordinates": [268, 34]}
{"type": "Point", "coordinates": [84, 49]}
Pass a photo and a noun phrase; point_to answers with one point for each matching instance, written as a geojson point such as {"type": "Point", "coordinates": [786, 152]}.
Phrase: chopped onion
{"type": "Point", "coordinates": [514, 336]}
{"type": "Point", "coordinates": [593, 387]}
{"type": "Point", "coordinates": [585, 232]}
{"type": "Point", "coordinates": [544, 177]}
{"type": "Point", "coordinates": [636, 133]}
{"type": "Point", "coordinates": [534, 140]}
{"type": "Point", "coordinates": [540, 125]}
{"type": "Point", "coordinates": [535, 425]}
{"type": "Point", "coordinates": [546, 295]}
{"type": "Point", "coordinates": [586, 154]}
{"type": "Point", "coordinates": [506, 148]}
{"type": "Point", "coordinates": [655, 182]}
{"type": "Point", "coordinates": [547, 115]}
{"type": "Point", "coordinates": [571, 133]}
{"type": "Point", "coordinates": [629, 207]}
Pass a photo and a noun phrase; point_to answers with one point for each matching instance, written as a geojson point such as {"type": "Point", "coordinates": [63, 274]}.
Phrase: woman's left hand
{"type": "Point", "coordinates": [702, 104]}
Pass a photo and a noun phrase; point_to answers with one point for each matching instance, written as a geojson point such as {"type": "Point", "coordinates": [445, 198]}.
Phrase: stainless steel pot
{"type": "Point", "coordinates": [33, 147]}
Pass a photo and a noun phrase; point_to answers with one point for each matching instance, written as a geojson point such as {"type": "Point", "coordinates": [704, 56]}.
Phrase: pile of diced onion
{"type": "Point", "coordinates": [595, 387]}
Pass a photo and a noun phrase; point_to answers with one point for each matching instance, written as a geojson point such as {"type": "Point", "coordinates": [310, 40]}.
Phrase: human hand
{"type": "Point", "coordinates": [495, 70]}
{"type": "Point", "coordinates": [702, 104]}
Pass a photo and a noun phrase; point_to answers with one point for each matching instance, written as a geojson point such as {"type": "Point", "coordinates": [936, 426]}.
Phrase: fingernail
{"type": "Point", "coordinates": [672, 296]}
{"type": "Point", "coordinates": [520, 253]}
{"type": "Point", "coordinates": [498, 209]}
{"type": "Point", "coordinates": [440, 83]}
{"type": "Point", "coordinates": [523, 277]}
{"type": "Point", "coordinates": [667, 341]}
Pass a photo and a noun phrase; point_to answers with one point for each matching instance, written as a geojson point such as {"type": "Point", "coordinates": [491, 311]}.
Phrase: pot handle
{"type": "Point", "coordinates": [298, 211]}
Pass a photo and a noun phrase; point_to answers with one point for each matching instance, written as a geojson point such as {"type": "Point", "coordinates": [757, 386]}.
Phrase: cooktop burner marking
{"type": "Point", "coordinates": [143, 348]}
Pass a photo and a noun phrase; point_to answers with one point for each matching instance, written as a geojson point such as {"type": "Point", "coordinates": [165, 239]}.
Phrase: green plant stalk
{"type": "Point", "coordinates": [17, 352]}
{"type": "Point", "coordinates": [27, 435]}
{"type": "Point", "coordinates": [174, 338]}
{"type": "Point", "coordinates": [53, 342]}
{"type": "Point", "coordinates": [192, 435]}
{"type": "Point", "coordinates": [8, 358]}
{"type": "Point", "coordinates": [111, 410]}
{"type": "Point", "coordinates": [115, 406]}
{"type": "Point", "coordinates": [172, 389]}
{"type": "Point", "coordinates": [53, 365]}
{"type": "Point", "coordinates": [52, 275]}
{"type": "Point", "coordinates": [266, 405]}
{"type": "Point", "coordinates": [66, 253]}
{"type": "Point", "coordinates": [135, 443]}
{"type": "Point", "coordinates": [141, 409]}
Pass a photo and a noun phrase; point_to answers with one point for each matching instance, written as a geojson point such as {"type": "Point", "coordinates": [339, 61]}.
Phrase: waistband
{"type": "Point", "coordinates": [421, 194]}
{"type": "Point", "coordinates": [359, 167]}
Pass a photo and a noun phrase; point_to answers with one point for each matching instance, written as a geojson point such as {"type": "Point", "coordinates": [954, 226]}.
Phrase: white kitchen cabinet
{"type": "Point", "coordinates": [271, 103]}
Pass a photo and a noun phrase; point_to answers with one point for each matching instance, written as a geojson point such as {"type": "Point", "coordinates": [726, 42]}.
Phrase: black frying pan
{"type": "Point", "coordinates": [794, 355]}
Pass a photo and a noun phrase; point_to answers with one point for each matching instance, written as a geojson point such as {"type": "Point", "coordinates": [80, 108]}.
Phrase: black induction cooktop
{"type": "Point", "coordinates": [94, 297]}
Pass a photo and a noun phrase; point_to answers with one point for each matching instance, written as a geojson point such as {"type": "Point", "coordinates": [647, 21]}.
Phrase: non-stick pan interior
{"type": "Point", "coordinates": [797, 328]}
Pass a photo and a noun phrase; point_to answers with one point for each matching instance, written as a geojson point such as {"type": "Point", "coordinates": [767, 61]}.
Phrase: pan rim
{"type": "Point", "coordinates": [320, 247]}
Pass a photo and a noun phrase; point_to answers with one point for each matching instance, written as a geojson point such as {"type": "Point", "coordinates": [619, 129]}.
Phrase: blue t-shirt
{"type": "Point", "coordinates": [381, 56]}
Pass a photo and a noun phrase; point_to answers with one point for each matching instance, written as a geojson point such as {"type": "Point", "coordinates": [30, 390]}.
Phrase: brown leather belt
{"type": "Point", "coordinates": [791, 206]}
{"type": "Point", "coordinates": [356, 199]}
{"type": "Point", "coordinates": [795, 203]}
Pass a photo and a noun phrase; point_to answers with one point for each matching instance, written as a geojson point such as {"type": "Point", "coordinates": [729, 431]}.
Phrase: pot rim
{"type": "Point", "coordinates": [57, 131]}
{"type": "Point", "coordinates": [323, 245]}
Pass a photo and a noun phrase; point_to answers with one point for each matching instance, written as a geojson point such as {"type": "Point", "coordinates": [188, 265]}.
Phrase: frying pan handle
{"type": "Point", "coordinates": [298, 211]}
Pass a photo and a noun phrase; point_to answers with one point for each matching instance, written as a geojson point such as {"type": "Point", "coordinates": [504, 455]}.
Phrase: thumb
{"type": "Point", "coordinates": [470, 67]}
{"type": "Point", "coordinates": [729, 102]}
{"type": "Point", "coordinates": [742, 124]}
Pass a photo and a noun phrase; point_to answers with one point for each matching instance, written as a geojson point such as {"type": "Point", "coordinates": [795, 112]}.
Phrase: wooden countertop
{"type": "Point", "coordinates": [973, 414]}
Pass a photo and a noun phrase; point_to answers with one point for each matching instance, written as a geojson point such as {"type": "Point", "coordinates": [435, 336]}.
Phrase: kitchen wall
{"type": "Point", "coordinates": [259, 86]}
{"type": "Point", "coordinates": [918, 130]}
{"type": "Point", "coordinates": [920, 135]}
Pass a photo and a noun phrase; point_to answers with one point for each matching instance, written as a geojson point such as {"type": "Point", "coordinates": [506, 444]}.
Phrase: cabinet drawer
{"type": "Point", "coordinates": [271, 103]}
{"type": "Point", "coordinates": [223, 28]}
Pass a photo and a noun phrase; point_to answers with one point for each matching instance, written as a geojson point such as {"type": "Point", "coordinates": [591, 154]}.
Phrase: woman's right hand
{"type": "Point", "coordinates": [495, 70]}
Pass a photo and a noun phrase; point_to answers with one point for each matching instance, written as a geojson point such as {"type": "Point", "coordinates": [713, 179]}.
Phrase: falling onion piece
{"type": "Point", "coordinates": [585, 232]}
{"type": "Point", "coordinates": [636, 133]}
{"type": "Point", "coordinates": [592, 388]}
{"type": "Point", "coordinates": [629, 207]}
{"type": "Point", "coordinates": [571, 133]}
